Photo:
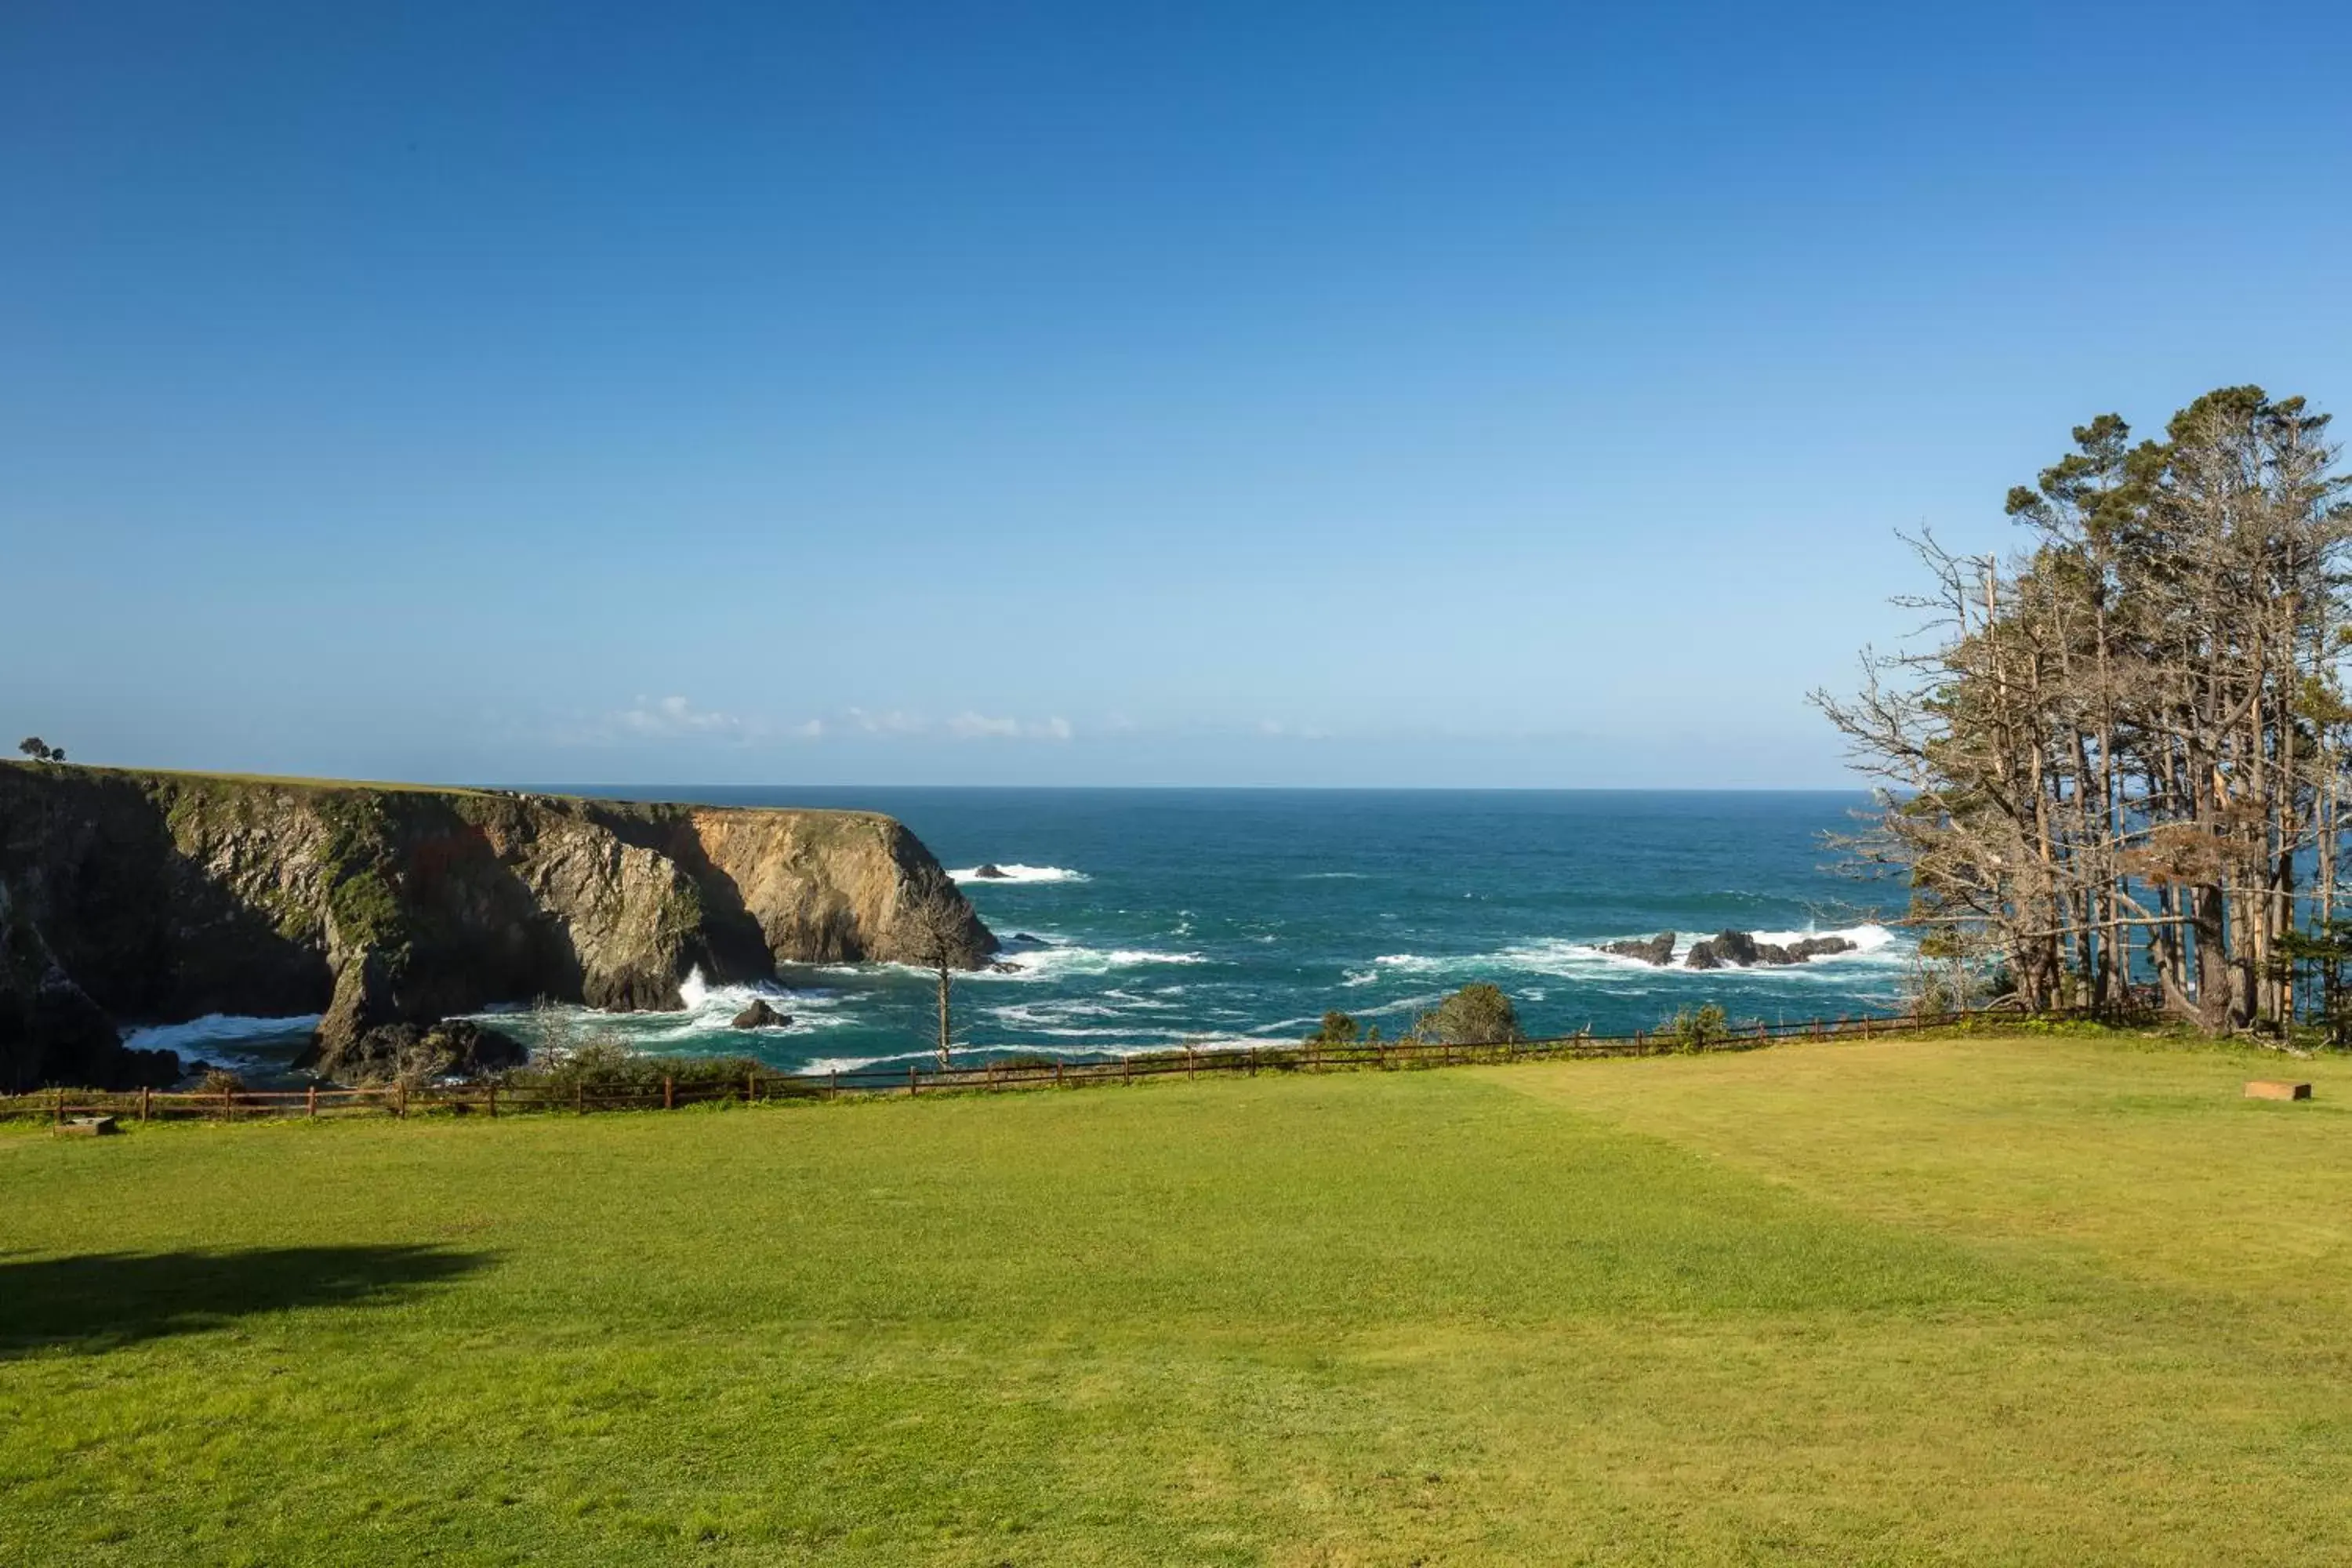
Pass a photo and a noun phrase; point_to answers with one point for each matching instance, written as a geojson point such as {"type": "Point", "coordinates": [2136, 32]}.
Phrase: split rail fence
{"type": "Point", "coordinates": [1014, 1072]}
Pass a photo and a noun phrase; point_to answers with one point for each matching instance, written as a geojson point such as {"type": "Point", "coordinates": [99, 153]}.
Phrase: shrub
{"type": "Point", "coordinates": [1337, 1029]}
{"type": "Point", "coordinates": [1699, 1030]}
{"type": "Point", "coordinates": [602, 1064]}
{"type": "Point", "coordinates": [1478, 1014]}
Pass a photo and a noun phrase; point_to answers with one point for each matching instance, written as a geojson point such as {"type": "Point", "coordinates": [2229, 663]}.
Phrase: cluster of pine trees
{"type": "Point", "coordinates": [2121, 767]}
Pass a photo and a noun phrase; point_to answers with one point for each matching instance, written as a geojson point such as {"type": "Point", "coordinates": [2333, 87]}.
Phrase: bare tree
{"type": "Point", "coordinates": [935, 928]}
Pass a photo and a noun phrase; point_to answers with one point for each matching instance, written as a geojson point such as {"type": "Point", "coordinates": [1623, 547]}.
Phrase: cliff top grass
{"type": "Point", "coordinates": [1976, 1299]}
{"type": "Point", "coordinates": [297, 784]}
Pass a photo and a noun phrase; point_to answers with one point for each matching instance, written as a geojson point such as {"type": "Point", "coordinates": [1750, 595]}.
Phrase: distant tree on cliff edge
{"type": "Point", "coordinates": [935, 928]}
{"type": "Point", "coordinates": [40, 750]}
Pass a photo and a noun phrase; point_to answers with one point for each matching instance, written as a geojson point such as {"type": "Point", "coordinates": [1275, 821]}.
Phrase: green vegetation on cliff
{"type": "Point", "coordinates": [1981, 1299]}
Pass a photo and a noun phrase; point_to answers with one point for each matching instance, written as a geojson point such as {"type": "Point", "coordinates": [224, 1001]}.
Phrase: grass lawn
{"type": "Point", "coordinates": [2029, 1301]}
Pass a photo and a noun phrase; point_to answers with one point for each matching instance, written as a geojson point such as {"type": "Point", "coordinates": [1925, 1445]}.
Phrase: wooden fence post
{"type": "Point", "coordinates": [910, 1078]}
{"type": "Point", "coordinates": [228, 1105]}
{"type": "Point", "coordinates": [57, 1108]}
{"type": "Point", "coordinates": [580, 1097]}
{"type": "Point", "coordinates": [1057, 1072]}
{"type": "Point", "coordinates": [146, 1097]}
{"type": "Point", "coordinates": [832, 1090]}
{"type": "Point", "coordinates": [310, 1102]}
{"type": "Point", "coordinates": [1127, 1069]}
{"type": "Point", "coordinates": [494, 1099]}
{"type": "Point", "coordinates": [1253, 1061]}
{"type": "Point", "coordinates": [750, 1089]}
{"type": "Point", "coordinates": [1189, 1063]}
{"type": "Point", "coordinates": [400, 1100]}
{"type": "Point", "coordinates": [669, 1092]}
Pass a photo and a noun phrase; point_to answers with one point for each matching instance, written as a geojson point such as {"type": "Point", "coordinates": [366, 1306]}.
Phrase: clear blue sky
{"type": "Point", "coordinates": [1223, 393]}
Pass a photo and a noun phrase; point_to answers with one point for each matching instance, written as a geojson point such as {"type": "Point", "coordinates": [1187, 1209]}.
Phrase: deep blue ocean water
{"type": "Point", "coordinates": [1145, 919]}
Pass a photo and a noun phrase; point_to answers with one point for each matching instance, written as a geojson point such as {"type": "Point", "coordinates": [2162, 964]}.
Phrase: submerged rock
{"type": "Point", "coordinates": [990, 871]}
{"type": "Point", "coordinates": [1001, 967]}
{"type": "Point", "coordinates": [760, 1015]}
{"type": "Point", "coordinates": [1658, 950]}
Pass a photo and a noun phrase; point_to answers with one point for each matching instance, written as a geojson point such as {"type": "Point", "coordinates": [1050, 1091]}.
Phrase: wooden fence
{"type": "Point", "coordinates": [1016, 1072]}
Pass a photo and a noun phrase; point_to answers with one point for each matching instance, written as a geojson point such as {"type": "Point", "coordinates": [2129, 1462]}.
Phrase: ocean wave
{"type": "Point", "coordinates": [1066, 962]}
{"type": "Point", "coordinates": [1016, 872]}
{"type": "Point", "coordinates": [1564, 958]}
{"type": "Point", "coordinates": [219, 1035]}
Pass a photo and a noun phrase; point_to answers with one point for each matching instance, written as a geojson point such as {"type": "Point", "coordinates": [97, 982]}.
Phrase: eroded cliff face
{"type": "Point", "coordinates": [163, 897]}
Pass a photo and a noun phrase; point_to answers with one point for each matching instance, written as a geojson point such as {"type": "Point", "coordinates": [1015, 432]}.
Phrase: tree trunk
{"type": "Point", "coordinates": [947, 1033]}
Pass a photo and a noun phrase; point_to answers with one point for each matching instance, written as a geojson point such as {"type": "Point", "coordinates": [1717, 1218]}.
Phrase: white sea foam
{"type": "Point", "coordinates": [1066, 962]}
{"type": "Point", "coordinates": [223, 1037]}
{"type": "Point", "coordinates": [1016, 872]}
{"type": "Point", "coordinates": [215, 1030]}
{"type": "Point", "coordinates": [1564, 958]}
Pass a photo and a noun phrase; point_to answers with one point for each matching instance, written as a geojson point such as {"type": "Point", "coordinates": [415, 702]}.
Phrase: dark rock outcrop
{"type": "Point", "coordinates": [992, 872]}
{"type": "Point", "coordinates": [51, 1031]}
{"type": "Point", "coordinates": [162, 897]}
{"type": "Point", "coordinates": [1740, 949]}
{"type": "Point", "coordinates": [760, 1015]}
{"type": "Point", "coordinates": [454, 1048]}
{"type": "Point", "coordinates": [1658, 950]}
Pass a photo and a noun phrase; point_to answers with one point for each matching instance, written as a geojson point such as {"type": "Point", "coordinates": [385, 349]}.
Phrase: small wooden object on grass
{"type": "Point", "coordinates": [2277, 1089]}
{"type": "Point", "coordinates": [88, 1126]}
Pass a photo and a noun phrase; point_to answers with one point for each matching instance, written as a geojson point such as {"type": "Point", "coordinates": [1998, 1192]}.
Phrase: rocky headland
{"type": "Point", "coordinates": [135, 898]}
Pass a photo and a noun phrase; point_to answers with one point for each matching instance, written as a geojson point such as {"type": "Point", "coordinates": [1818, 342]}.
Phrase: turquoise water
{"type": "Point", "coordinates": [1153, 917]}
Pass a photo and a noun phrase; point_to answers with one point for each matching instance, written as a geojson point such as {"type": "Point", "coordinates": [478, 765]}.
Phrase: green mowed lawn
{"type": "Point", "coordinates": [2032, 1300]}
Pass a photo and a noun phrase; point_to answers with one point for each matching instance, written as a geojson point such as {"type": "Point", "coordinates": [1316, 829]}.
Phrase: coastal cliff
{"type": "Point", "coordinates": [155, 897]}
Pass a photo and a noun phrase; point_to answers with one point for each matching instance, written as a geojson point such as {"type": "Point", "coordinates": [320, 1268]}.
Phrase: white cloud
{"type": "Point", "coordinates": [680, 719]}
{"type": "Point", "coordinates": [675, 716]}
{"type": "Point", "coordinates": [970, 726]}
{"type": "Point", "coordinates": [894, 722]}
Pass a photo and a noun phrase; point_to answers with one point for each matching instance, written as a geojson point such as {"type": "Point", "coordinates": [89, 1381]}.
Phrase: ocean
{"type": "Point", "coordinates": [1144, 918]}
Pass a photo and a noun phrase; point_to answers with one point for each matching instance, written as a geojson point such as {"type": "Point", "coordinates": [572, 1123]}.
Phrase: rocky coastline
{"type": "Point", "coordinates": [137, 898]}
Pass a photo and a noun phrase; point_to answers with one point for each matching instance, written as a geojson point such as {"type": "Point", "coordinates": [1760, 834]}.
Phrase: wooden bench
{"type": "Point", "coordinates": [88, 1126]}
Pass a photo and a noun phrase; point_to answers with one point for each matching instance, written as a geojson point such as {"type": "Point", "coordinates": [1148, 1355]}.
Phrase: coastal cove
{"type": "Point", "coordinates": [1139, 919]}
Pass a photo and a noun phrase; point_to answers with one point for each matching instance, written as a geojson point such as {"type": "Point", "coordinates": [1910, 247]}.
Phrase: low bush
{"type": "Point", "coordinates": [1698, 1029]}
{"type": "Point", "coordinates": [1478, 1014]}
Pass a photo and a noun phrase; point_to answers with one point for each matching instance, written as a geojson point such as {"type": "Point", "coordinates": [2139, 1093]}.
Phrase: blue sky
{"type": "Point", "coordinates": [1178, 394]}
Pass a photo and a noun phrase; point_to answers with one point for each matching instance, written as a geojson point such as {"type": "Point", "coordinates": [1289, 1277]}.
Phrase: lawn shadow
{"type": "Point", "coordinates": [99, 1301]}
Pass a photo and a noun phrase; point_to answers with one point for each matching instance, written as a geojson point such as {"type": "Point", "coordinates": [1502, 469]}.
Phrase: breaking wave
{"type": "Point", "coordinates": [1014, 871]}
{"type": "Point", "coordinates": [1874, 945]}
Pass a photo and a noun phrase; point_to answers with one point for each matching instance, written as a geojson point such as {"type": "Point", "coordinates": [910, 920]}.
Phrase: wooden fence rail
{"type": "Point", "coordinates": [1019, 1072]}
